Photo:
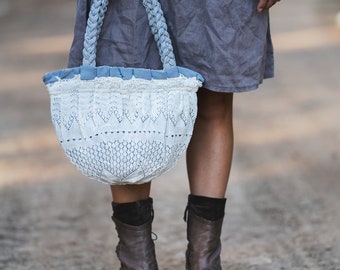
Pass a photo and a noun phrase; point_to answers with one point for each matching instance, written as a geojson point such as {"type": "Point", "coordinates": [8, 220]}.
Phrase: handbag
{"type": "Point", "coordinates": [124, 125]}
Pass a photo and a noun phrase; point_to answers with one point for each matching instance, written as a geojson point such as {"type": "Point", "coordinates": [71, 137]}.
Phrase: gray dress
{"type": "Point", "coordinates": [227, 41]}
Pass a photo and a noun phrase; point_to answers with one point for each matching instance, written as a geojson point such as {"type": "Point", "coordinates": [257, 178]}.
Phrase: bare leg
{"type": "Point", "coordinates": [209, 154]}
{"type": "Point", "coordinates": [130, 193]}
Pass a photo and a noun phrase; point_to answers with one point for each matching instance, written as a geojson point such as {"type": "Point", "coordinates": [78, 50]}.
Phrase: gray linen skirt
{"type": "Point", "coordinates": [227, 41]}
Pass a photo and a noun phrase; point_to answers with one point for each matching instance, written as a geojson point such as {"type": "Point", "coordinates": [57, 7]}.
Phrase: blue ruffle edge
{"type": "Point", "coordinates": [89, 73]}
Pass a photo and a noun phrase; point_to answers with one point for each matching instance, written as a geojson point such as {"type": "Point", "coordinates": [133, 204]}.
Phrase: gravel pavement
{"type": "Point", "coordinates": [283, 196]}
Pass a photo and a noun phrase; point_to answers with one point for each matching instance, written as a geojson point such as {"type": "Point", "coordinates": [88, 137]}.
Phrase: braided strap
{"type": "Point", "coordinates": [159, 29]}
{"type": "Point", "coordinates": [94, 24]}
{"type": "Point", "coordinates": [157, 24]}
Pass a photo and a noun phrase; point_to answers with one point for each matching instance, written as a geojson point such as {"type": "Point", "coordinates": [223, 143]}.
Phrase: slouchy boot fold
{"type": "Point", "coordinates": [204, 244]}
{"type": "Point", "coordinates": [136, 249]}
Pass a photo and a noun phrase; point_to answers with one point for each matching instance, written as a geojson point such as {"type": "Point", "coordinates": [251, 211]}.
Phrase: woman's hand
{"type": "Point", "coordinates": [266, 4]}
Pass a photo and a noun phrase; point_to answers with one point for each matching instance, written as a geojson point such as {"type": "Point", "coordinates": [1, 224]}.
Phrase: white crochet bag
{"type": "Point", "coordinates": [124, 125]}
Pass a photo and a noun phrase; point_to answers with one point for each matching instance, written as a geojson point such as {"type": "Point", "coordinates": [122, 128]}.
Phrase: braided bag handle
{"type": "Point", "coordinates": [157, 25]}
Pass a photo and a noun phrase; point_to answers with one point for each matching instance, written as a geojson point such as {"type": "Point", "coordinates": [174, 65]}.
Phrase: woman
{"type": "Point", "coordinates": [228, 42]}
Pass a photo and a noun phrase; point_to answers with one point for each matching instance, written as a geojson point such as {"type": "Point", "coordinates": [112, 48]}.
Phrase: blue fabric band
{"type": "Point", "coordinates": [90, 72]}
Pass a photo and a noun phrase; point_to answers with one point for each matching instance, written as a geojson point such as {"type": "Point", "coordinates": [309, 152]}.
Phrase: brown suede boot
{"type": "Point", "coordinates": [135, 249]}
{"type": "Point", "coordinates": [204, 244]}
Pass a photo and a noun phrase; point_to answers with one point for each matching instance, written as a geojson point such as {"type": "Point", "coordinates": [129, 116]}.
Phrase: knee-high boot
{"type": "Point", "coordinates": [136, 249]}
{"type": "Point", "coordinates": [204, 244]}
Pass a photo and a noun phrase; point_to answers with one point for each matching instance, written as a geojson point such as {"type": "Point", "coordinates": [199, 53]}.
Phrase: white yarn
{"type": "Point", "coordinates": [124, 131]}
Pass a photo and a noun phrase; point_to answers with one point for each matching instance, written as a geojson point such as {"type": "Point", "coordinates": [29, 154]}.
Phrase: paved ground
{"type": "Point", "coordinates": [283, 198]}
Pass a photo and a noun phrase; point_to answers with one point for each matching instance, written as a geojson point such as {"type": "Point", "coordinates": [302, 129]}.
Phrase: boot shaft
{"type": "Point", "coordinates": [136, 249]}
{"type": "Point", "coordinates": [203, 235]}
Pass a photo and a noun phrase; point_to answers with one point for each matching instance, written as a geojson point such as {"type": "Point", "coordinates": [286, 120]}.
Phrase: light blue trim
{"type": "Point", "coordinates": [89, 73]}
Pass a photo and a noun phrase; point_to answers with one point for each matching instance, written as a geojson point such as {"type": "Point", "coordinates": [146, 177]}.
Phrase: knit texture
{"type": "Point", "coordinates": [124, 131]}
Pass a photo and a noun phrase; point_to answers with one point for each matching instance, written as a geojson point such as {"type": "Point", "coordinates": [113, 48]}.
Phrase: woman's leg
{"type": "Point", "coordinates": [210, 151]}
{"type": "Point", "coordinates": [209, 159]}
{"type": "Point", "coordinates": [130, 193]}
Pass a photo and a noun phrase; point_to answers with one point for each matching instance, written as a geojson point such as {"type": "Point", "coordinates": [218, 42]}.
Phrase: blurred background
{"type": "Point", "coordinates": [283, 196]}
